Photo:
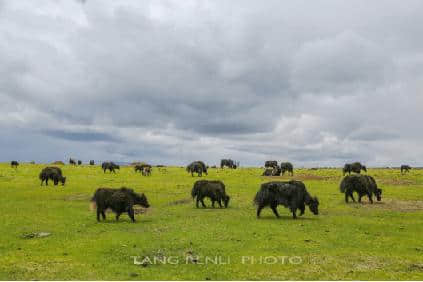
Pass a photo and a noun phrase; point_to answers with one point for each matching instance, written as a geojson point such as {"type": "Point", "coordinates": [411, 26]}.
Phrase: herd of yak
{"type": "Point", "coordinates": [291, 194]}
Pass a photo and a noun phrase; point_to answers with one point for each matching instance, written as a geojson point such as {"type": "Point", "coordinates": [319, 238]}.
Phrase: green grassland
{"type": "Point", "coordinates": [382, 241]}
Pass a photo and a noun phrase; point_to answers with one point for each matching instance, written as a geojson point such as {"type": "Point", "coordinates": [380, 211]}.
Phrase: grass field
{"type": "Point", "coordinates": [383, 241]}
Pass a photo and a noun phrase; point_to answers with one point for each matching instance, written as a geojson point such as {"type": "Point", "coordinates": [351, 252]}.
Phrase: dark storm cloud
{"type": "Point", "coordinates": [317, 82]}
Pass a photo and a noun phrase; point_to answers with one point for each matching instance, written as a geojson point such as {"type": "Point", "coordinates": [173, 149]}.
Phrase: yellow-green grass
{"type": "Point", "coordinates": [345, 241]}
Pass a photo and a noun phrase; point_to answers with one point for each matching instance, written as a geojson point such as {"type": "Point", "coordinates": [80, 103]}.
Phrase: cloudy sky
{"type": "Point", "coordinates": [312, 82]}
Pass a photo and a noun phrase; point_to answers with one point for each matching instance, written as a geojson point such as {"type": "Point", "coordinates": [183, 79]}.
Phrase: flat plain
{"type": "Point", "coordinates": [50, 233]}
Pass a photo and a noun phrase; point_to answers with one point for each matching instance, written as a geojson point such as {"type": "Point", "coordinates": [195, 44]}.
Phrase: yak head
{"type": "Point", "coordinates": [363, 167]}
{"type": "Point", "coordinates": [378, 194]}
{"type": "Point", "coordinates": [141, 200]}
{"type": "Point", "coordinates": [313, 205]}
{"type": "Point", "coordinates": [226, 199]}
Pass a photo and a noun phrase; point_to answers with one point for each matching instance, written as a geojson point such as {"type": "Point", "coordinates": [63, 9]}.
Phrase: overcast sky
{"type": "Point", "coordinates": [169, 82]}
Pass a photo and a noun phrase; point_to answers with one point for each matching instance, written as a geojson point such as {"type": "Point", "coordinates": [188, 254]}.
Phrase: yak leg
{"type": "Point", "coordinates": [359, 198]}
{"type": "Point", "coordinates": [42, 180]}
{"type": "Point", "coordinates": [219, 202]}
{"type": "Point", "coordinates": [370, 197]}
{"type": "Point", "coordinates": [117, 216]}
{"type": "Point", "coordinates": [198, 200]}
{"type": "Point", "coordinates": [202, 202]}
{"type": "Point", "coordinates": [131, 214]}
{"type": "Point", "coordinates": [302, 209]}
{"type": "Point", "coordinates": [294, 213]}
{"type": "Point", "coordinates": [46, 181]}
{"type": "Point", "coordinates": [103, 214]}
{"type": "Point", "coordinates": [274, 209]}
{"type": "Point", "coordinates": [259, 210]}
{"type": "Point", "coordinates": [213, 201]}
{"type": "Point", "coordinates": [98, 214]}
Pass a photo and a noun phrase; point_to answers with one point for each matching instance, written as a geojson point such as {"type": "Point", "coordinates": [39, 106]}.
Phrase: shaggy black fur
{"type": "Point", "coordinates": [291, 194]}
{"type": "Point", "coordinates": [213, 189]}
{"type": "Point", "coordinates": [72, 161]}
{"type": "Point", "coordinates": [14, 164]}
{"type": "Point", "coordinates": [111, 166]}
{"type": "Point", "coordinates": [119, 200]}
{"type": "Point", "coordinates": [197, 167]}
{"type": "Point", "coordinates": [92, 162]}
{"type": "Point", "coordinates": [287, 167]}
{"type": "Point", "coordinates": [362, 184]}
{"type": "Point", "coordinates": [228, 163]}
{"type": "Point", "coordinates": [79, 162]}
{"type": "Point", "coordinates": [271, 164]}
{"type": "Point", "coordinates": [53, 173]}
{"type": "Point", "coordinates": [405, 168]}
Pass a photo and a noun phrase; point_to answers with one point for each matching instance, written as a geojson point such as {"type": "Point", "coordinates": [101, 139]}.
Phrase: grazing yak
{"type": "Point", "coordinates": [362, 184]}
{"type": "Point", "coordinates": [287, 167]}
{"type": "Point", "coordinates": [405, 168]}
{"type": "Point", "coordinates": [53, 173]}
{"type": "Point", "coordinates": [111, 166]}
{"type": "Point", "coordinates": [119, 200]}
{"type": "Point", "coordinates": [270, 164]}
{"type": "Point", "coordinates": [213, 189]}
{"type": "Point", "coordinates": [146, 171]}
{"type": "Point", "coordinates": [291, 194]}
{"type": "Point", "coordinates": [92, 162]}
{"type": "Point", "coordinates": [275, 171]}
{"type": "Point", "coordinates": [79, 162]}
{"type": "Point", "coordinates": [140, 167]}
{"type": "Point", "coordinates": [198, 167]}
{"type": "Point", "coordinates": [72, 161]}
{"type": "Point", "coordinates": [228, 163]}
{"type": "Point", "coordinates": [346, 169]}
{"type": "Point", "coordinates": [14, 164]}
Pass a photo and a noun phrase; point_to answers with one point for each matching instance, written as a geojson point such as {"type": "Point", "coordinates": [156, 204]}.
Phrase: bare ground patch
{"type": "Point", "coordinates": [78, 197]}
{"type": "Point", "coordinates": [398, 182]}
{"type": "Point", "coordinates": [180, 202]}
{"type": "Point", "coordinates": [397, 205]}
{"type": "Point", "coordinates": [301, 177]}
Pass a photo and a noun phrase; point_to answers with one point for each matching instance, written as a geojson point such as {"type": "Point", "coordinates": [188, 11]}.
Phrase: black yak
{"type": "Point", "coordinates": [198, 167]}
{"type": "Point", "coordinates": [213, 189]}
{"type": "Point", "coordinates": [362, 184]}
{"type": "Point", "coordinates": [14, 164]}
{"type": "Point", "coordinates": [275, 171]}
{"type": "Point", "coordinates": [291, 194]}
{"type": "Point", "coordinates": [119, 200]}
{"type": "Point", "coordinates": [228, 163]}
{"type": "Point", "coordinates": [92, 162]}
{"type": "Point", "coordinates": [271, 164]}
{"type": "Point", "coordinates": [358, 167]}
{"type": "Point", "coordinates": [405, 168]}
{"type": "Point", "coordinates": [287, 167]}
{"type": "Point", "coordinates": [146, 171]}
{"type": "Point", "coordinates": [111, 166]}
{"type": "Point", "coordinates": [346, 169]}
{"type": "Point", "coordinates": [72, 161]}
{"type": "Point", "coordinates": [79, 162]}
{"type": "Point", "coordinates": [53, 173]}
{"type": "Point", "coordinates": [140, 167]}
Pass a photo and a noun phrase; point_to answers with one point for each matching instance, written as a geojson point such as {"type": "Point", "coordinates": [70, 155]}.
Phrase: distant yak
{"type": "Point", "coordinates": [291, 194]}
{"type": "Point", "coordinates": [52, 173]}
{"type": "Point", "coordinates": [72, 161]}
{"type": "Point", "coordinates": [356, 167]}
{"type": "Point", "coordinates": [271, 164]}
{"type": "Point", "coordinates": [197, 167]}
{"type": "Point", "coordinates": [79, 162]}
{"type": "Point", "coordinates": [14, 164]}
{"type": "Point", "coordinates": [228, 163]}
{"type": "Point", "coordinates": [111, 166]}
{"type": "Point", "coordinates": [213, 189]}
{"type": "Point", "coordinates": [287, 167]}
{"type": "Point", "coordinates": [361, 184]}
{"type": "Point", "coordinates": [405, 168]}
{"type": "Point", "coordinates": [119, 200]}
{"type": "Point", "coordinates": [92, 162]}
{"type": "Point", "coordinates": [275, 171]}
{"type": "Point", "coordinates": [140, 167]}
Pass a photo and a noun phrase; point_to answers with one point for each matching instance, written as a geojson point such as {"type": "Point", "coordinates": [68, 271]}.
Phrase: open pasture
{"type": "Point", "coordinates": [382, 241]}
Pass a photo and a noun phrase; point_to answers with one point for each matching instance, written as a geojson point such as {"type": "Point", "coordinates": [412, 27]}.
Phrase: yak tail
{"type": "Point", "coordinates": [262, 195]}
{"type": "Point", "coordinates": [194, 191]}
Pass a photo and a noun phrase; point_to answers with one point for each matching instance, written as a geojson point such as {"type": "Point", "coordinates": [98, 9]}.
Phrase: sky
{"type": "Point", "coordinates": [317, 83]}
